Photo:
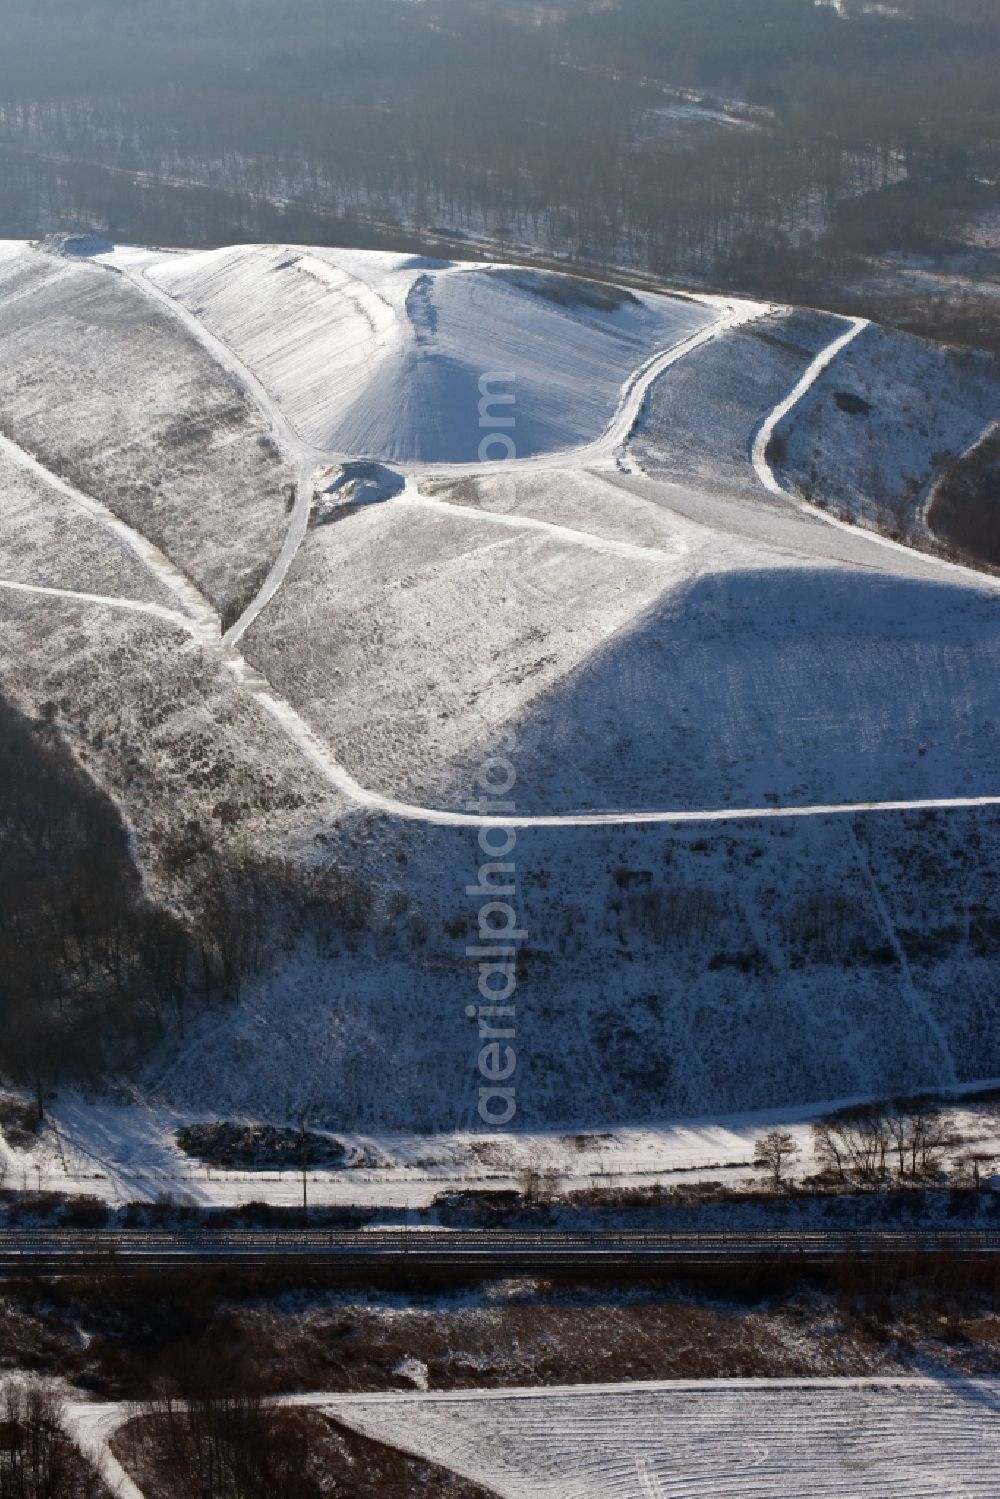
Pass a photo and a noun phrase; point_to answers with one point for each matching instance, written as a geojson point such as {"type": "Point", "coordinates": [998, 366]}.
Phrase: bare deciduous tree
{"type": "Point", "coordinates": [774, 1153]}
{"type": "Point", "coordinates": [37, 1459]}
{"type": "Point", "coordinates": [863, 1144]}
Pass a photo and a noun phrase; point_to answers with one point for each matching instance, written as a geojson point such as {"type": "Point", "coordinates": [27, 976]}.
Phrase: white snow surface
{"type": "Point", "coordinates": [867, 1438]}
{"type": "Point", "coordinates": [122, 1153]}
{"type": "Point", "coordinates": [709, 651]}
{"type": "Point", "coordinates": [376, 354]}
{"type": "Point", "coordinates": [924, 405]}
{"type": "Point", "coordinates": [91, 1427]}
{"type": "Point", "coordinates": [106, 395]}
{"type": "Point", "coordinates": [726, 1439]}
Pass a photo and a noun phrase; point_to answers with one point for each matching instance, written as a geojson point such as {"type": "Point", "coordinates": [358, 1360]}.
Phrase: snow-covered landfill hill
{"type": "Point", "coordinates": [293, 540]}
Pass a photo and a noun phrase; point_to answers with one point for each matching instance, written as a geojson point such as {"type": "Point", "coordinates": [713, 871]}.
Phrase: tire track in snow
{"type": "Point", "coordinates": [204, 619]}
{"type": "Point", "coordinates": [647, 1478]}
{"type": "Point", "coordinates": [412, 496]}
{"type": "Point", "coordinates": [134, 606]}
{"type": "Point", "coordinates": [765, 473]}
{"type": "Point", "coordinates": [918, 1004]}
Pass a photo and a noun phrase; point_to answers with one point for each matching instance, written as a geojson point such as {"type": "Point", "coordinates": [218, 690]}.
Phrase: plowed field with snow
{"type": "Point", "coordinates": [834, 1439]}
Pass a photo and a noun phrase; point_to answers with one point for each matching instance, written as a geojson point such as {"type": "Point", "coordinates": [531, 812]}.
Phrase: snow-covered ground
{"type": "Point", "coordinates": [374, 354]}
{"type": "Point", "coordinates": [921, 405]}
{"type": "Point", "coordinates": [875, 1438]}
{"type": "Point", "coordinates": [700, 420]}
{"type": "Point", "coordinates": [155, 715]}
{"type": "Point", "coordinates": [406, 634]}
{"type": "Point", "coordinates": [683, 669]}
{"type": "Point", "coordinates": [695, 648]}
{"type": "Point", "coordinates": [124, 1153]}
{"type": "Point", "coordinates": [45, 541]}
{"type": "Point", "coordinates": [110, 394]}
{"type": "Point", "coordinates": [740, 1439]}
{"type": "Point", "coordinates": [91, 1427]}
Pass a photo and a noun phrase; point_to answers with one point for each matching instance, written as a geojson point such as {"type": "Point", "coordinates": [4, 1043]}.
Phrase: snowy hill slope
{"type": "Point", "coordinates": [875, 1439]}
{"type": "Point", "coordinates": [678, 640]}
{"type": "Point", "coordinates": [865, 442]}
{"type": "Point", "coordinates": [833, 688]}
{"type": "Point", "coordinates": [382, 355]}
{"type": "Point", "coordinates": [692, 670]}
{"type": "Point", "coordinates": [113, 396]}
{"type": "Point", "coordinates": [699, 420]}
{"type": "Point", "coordinates": [46, 542]}
{"type": "Point", "coordinates": [666, 974]}
{"type": "Point", "coordinates": [882, 423]}
{"type": "Point", "coordinates": [406, 635]}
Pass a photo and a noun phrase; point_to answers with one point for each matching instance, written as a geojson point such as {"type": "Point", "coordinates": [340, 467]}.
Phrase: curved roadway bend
{"type": "Point", "coordinates": [305, 457]}
{"type": "Point", "coordinates": [614, 439]}
{"type": "Point", "coordinates": [199, 616]}
{"type": "Point", "coordinates": [205, 624]}
{"type": "Point", "coordinates": [765, 473]}
{"type": "Point", "coordinates": [818, 367]}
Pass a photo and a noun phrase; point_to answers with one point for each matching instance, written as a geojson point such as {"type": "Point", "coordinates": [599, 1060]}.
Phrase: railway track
{"type": "Point", "coordinates": [66, 1253]}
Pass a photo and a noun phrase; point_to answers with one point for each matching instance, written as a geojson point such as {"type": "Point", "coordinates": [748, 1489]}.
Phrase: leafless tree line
{"type": "Point", "coordinates": [37, 1459]}
{"type": "Point", "coordinates": [199, 127]}
{"type": "Point", "coordinates": [907, 1139]}
{"type": "Point", "coordinates": [872, 1145]}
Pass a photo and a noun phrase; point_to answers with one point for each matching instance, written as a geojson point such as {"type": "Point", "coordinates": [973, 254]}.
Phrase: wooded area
{"type": "Point", "coordinates": [819, 135]}
{"type": "Point", "coordinates": [94, 970]}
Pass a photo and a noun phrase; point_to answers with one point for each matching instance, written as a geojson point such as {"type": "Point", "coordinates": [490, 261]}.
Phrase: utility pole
{"type": "Point", "coordinates": [305, 1163]}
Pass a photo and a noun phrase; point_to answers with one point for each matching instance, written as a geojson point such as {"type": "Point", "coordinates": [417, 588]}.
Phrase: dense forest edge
{"type": "Point", "coordinates": [778, 148]}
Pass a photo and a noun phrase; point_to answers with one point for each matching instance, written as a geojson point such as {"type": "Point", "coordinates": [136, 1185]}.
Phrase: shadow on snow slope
{"type": "Point", "coordinates": [811, 686]}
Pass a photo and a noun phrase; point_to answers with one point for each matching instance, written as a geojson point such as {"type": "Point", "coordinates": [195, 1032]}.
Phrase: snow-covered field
{"type": "Point", "coordinates": [154, 715]}
{"type": "Point", "coordinates": [782, 684]}
{"type": "Point", "coordinates": [875, 1438]}
{"type": "Point", "coordinates": [684, 668]}
{"type": "Point", "coordinates": [47, 542]}
{"type": "Point", "coordinates": [699, 421]}
{"type": "Point", "coordinates": [406, 634]}
{"type": "Point", "coordinates": [124, 1153]}
{"type": "Point", "coordinates": [688, 639]}
{"type": "Point", "coordinates": [750, 1439]}
{"type": "Point", "coordinates": [109, 393]}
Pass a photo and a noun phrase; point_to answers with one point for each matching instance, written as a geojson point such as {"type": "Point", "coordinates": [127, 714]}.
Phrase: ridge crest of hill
{"type": "Point", "coordinates": [408, 359]}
